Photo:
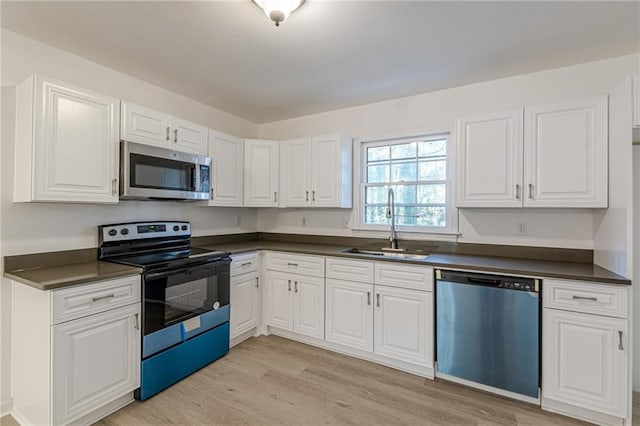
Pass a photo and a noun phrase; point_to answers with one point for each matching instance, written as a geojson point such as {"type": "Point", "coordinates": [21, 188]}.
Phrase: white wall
{"type": "Point", "coordinates": [37, 227]}
{"type": "Point", "coordinates": [548, 227]}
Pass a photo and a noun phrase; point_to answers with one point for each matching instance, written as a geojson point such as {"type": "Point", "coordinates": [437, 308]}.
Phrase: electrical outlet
{"type": "Point", "coordinates": [521, 229]}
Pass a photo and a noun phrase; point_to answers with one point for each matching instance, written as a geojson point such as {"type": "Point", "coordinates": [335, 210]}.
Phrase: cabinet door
{"type": "Point", "coordinates": [76, 145]}
{"type": "Point", "coordinates": [244, 303]}
{"type": "Point", "coordinates": [144, 125]}
{"type": "Point", "coordinates": [295, 172]}
{"type": "Point", "coordinates": [349, 313]}
{"type": "Point", "coordinates": [636, 100]}
{"type": "Point", "coordinates": [584, 361]}
{"type": "Point", "coordinates": [403, 324]}
{"type": "Point", "coordinates": [189, 137]}
{"type": "Point", "coordinates": [227, 163]}
{"type": "Point", "coordinates": [308, 306]}
{"type": "Point", "coordinates": [331, 171]}
{"type": "Point", "coordinates": [96, 359]}
{"type": "Point", "coordinates": [566, 148]}
{"type": "Point", "coordinates": [261, 173]}
{"type": "Point", "coordinates": [279, 300]}
{"type": "Point", "coordinates": [489, 165]}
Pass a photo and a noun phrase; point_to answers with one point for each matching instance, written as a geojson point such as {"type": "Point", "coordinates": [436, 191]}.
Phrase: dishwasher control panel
{"type": "Point", "coordinates": [517, 285]}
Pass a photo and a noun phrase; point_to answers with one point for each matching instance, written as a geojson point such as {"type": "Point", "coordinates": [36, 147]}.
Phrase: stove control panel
{"type": "Point", "coordinates": [143, 230]}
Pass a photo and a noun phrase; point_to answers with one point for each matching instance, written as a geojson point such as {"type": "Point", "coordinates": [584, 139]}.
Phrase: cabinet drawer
{"type": "Point", "coordinates": [82, 300]}
{"type": "Point", "coordinates": [587, 297]}
{"type": "Point", "coordinates": [350, 270]}
{"type": "Point", "coordinates": [243, 263]}
{"type": "Point", "coordinates": [297, 263]}
{"type": "Point", "coordinates": [404, 276]}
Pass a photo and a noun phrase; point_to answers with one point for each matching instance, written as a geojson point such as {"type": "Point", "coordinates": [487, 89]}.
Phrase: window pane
{"type": "Point", "coordinates": [375, 215]}
{"type": "Point", "coordinates": [378, 173]}
{"type": "Point", "coordinates": [378, 153]}
{"type": "Point", "coordinates": [376, 195]}
{"type": "Point", "coordinates": [406, 215]}
{"type": "Point", "coordinates": [432, 170]}
{"type": "Point", "coordinates": [403, 171]}
{"type": "Point", "coordinates": [403, 194]}
{"type": "Point", "coordinates": [432, 148]}
{"type": "Point", "coordinates": [432, 216]}
{"type": "Point", "coordinates": [428, 194]}
{"type": "Point", "coordinates": [405, 150]}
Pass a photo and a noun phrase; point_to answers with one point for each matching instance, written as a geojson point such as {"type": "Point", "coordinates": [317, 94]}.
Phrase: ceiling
{"type": "Point", "coordinates": [328, 54]}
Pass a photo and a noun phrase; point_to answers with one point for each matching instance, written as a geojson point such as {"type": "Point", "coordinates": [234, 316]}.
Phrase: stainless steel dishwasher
{"type": "Point", "coordinates": [488, 332]}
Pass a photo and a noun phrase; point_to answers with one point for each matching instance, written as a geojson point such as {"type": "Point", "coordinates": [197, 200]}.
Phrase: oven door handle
{"type": "Point", "coordinates": [190, 269]}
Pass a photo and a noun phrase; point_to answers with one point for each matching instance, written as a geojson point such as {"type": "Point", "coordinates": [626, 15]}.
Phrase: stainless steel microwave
{"type": "Point", "coordinates": [152, 173]}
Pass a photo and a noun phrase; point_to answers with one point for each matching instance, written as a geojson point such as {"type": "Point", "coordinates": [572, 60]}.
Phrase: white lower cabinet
{"type": "Point", "coordinates": [403, 324]}
{"type": "Point", "coordinates": [349, 314]}
{"type": "Point", "coordinates": [78, 367]}
{"type": "Point", "coordinates": [95, 360]}
{"type": "Point", "coordinates": [295, 303]}
{"type": "Point", "coordinates": [245, 299]}
{"type": "Point", "coordinates": [585, 356]}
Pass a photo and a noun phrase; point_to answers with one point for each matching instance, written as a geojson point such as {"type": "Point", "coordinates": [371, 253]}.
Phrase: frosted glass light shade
{"type": "Point", "coordinates": [278, 10]}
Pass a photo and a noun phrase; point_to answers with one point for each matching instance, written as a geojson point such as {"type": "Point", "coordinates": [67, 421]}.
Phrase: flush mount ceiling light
{"type": "Point", "coordinates": [278, 10]}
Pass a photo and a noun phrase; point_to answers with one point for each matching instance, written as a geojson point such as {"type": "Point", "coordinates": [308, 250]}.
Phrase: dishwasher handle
{"type": "Point", "coordinates": [489, 280]}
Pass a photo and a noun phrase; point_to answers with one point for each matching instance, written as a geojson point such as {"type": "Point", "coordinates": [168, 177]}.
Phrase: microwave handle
{"type": "Point", "coordinates": [194, 178]}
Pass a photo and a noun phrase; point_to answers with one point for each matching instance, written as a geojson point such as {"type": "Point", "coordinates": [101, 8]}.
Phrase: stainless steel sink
{"type": "Point", "coordinates": [397, 255]}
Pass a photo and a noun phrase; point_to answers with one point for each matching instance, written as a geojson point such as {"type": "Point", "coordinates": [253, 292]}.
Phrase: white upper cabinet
{"type": "Point", "coordinates": [261, 173]}
{"type": "Point", "coordinates": [566, 150]}
{"type": "Point", "coordinates": [636, 100]}
{"type": "Point", "coordinates": [316, 172]}
{"type": "Point", "coordinates": [227, 154]}
{"type": "Point", "coordinates": [558, 160]}
{"type": "Point", "coordinates": [147, 126]}
{"type": "Point", "coordinates": [490, 160]}
{"type": "Point", "coordinates": [66, 143]}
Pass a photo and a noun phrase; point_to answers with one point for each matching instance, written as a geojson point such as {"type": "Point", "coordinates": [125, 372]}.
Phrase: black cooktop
{"type": "Point", "coordinates": [173, 257]}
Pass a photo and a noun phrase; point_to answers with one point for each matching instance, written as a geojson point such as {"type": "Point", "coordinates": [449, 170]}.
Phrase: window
{"type": "Point", "coordinates": [417, 170]}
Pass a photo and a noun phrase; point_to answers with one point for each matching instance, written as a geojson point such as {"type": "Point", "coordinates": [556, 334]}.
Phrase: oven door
{"type": "Point", "coordinates": [182, 303]}
{"type": "Point", "coordinates": [149, 172]}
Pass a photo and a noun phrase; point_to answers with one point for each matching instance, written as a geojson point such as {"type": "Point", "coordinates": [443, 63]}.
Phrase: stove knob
{"type": "Point", "coordinates": [184, 227]}
{"type": "Point", "coordinates": [112, 232]}
{"type": "Point", "coordinates": [176, 228]}
{"type": "Point", "coordinates": [124, 231]}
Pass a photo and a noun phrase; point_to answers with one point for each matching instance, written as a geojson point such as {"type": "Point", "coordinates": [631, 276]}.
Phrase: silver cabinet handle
{"type": "Point", "coordinates": [275, 197]}
{"type": "Point", "coordinates": [378, 300]}
{"type": "Point", "coordinates": [531, 191]}
{"type": "Point", "coordinates": [245, 264]}
{"type": "Point", "coordinates": [257, 282]}
{"type": "Point", "coordinates": [108, 296]}
{"type": "Point", "coordinates": [212, 197]}
{"type": "Point", "coordinates": [114, 186]}
{"type": "Point", "coordinates": [306, 196]}
{"type": "Point", "coordinates": [296, 285]}
{"type": "Point", "coordinates": [289, 285]}
{"type": "Point", "coordinates": [136, 324]}
{"type": "Point", "coordinates": [292, 264]}
{"type": "Point", "coordinates": [175, 135]}
{"type": "Point", "coordinates": [517, 191]}
{"type": "Point", "coordinates": [313, 195]}
{"type": "Point", "coordinates": [368, 298]}
{"type": "Point", "coordinates": [168, 129]}
{"type": "Point", "coordinates": [593, 299]}
{"type": "Point", "coordinates": [620, 340]}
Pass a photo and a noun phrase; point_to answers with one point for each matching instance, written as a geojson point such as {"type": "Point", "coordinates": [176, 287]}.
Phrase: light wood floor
{"type": "Point", "coordinates": [275, 381]}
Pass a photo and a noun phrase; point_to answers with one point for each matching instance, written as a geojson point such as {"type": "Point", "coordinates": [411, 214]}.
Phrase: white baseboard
{"type": "Point", "coordinates": [582, 413]}
{"type": "Point", "coordinates": [6, 407]}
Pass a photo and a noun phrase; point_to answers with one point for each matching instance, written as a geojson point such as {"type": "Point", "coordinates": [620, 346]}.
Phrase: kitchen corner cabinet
{"type": "Point", "coordinates": [66, 143]}
{"type": "Point", "coordinates": [147, 126]}
{"type": "Point", "coordinates": [227, 162]}
{"type": "Point", "coordinates": [245, 296]}
{"type": "Point", "coordinates": [261, 173]}
{"type": "Point", "coordinates": [316, 172]}
{"type": "Point", "coordinates": [76, 350]}
{"type": "Point", "coordinates": [585, 350]}
{"type": "Point", "coordinates": [556, 158]}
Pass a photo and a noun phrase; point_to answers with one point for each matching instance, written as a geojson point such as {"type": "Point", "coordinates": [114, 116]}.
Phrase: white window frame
{"type": "Point", "coordinates": [451, 230]}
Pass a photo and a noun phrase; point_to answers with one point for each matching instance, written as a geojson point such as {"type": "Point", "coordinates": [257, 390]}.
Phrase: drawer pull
{"type": "Point", "coordinates": [620, 340]}
{"type": "Point", "coordinates": [292, 264]}
{"type": "Point", "coordinates": [108, 296]}
{"type": "Point", "coordinates": [245, 264]}
{"type": "Point", "coordinates": [593, 299]}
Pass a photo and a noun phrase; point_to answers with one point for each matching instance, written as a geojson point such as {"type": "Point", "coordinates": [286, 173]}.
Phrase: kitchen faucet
{"type": "Point", "coordinates": [390, 214]}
